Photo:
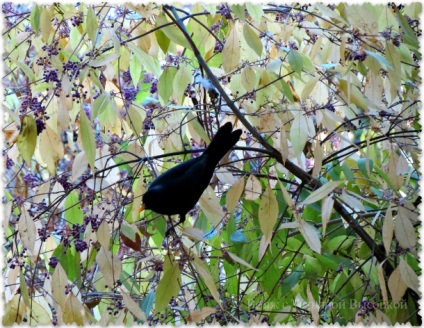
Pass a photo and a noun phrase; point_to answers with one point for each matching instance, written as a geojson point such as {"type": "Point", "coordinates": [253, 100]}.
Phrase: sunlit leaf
{"type": "Point", "coordinates": [233, 195]}
{"type": "Point", "coordinates": [252, 189]}
{"type": "Point", "coordinates": [252, 39]}
{"type": "Point", "coordinates": [231, 51]}
{"type": "Point", "coordinates": [73, 211]}
{"type": "Point", "coordinates": [91, 24]}
{"type": "Point", "coordinates": [27, 139]}
{"type": "Point", "coordinates": [268, 212]}
{"type": "Point", "coordinates": [321, 192]}
{"type": "Point", "coordinates": [109, 265]}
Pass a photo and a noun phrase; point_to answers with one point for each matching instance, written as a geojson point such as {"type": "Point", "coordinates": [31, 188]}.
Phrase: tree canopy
{"type": "Point", "coordinates": [311, 218]}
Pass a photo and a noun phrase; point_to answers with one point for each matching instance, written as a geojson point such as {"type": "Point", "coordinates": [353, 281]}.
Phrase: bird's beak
{"type": "Point", "coordinates": [142, 207]}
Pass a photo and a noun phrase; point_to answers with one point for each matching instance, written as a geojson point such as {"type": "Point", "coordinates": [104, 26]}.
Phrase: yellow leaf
{"type": "Point", "coordinates": [103, 235]}
{"type": "Point", "coordinates": [73, 311]}
{"type": "Point", "coordinates": [109, 265]}
{"type": "Point", "coordinates": [253, 188]}
{"type": "Point", "coordinates": [50, 148]}
{"type": "Point", "coordinates": [169, 285]}
{"type": "Point", "coordinates": [27, 230]}
{"type": "Point", "coordinates": [286, 195]}
{"type": "Point", "coordinates": [207, 278]}
{"type": "Point", "coordinates": [241, 261]}
{"type": "Point", "coordinates": [396, 285]}
{"type": "Point", "coordinates": [409, 276]}
{"type": "Point", "coordinates": [327, 207]}
{"type": "Point", "coordinates": [268, 212]}
{"type": "Point", "coordinates": [388, 228]}
{"type": "Point", "coordinates": [312, 304]}
{"type": "Point", "coordinates": [382, 281]}
{"type": "Point", "coordinates": [59, 282]}
{"type": "Point", "coordinates": [194, 233]}
{"type": "Point", "coordinates": [27, 138]}
{"type": "Point", "coordinates": [199, 315]}
{"type": "Point", "coordinates": [405, 232]}
{"type": "Point", "coordinates": [13, 311]}
{"type": "Point", "coordinates": [248, 78]}
{"type": "Point", "coordinates": [298, 132]}
{"type": "Point", "coordinates": [352, 201]}
{"type": "Point", "coordinates": [132, 306]}
{"type": "Point", "coordinates": [87, 138]}
{"type": "Point", "coordinates": [284, 146]}
{"type": "Point", "coordinates": [311, 235]}
{"type": "Point", "coordinates": [45, 24]}
{"type": "Point", "coordinates": [252, 39]}
{"type": "Point", "coordinates": [233, 195]}
{"type": "Point", "coordinates": [183, 77]}
{"type": "Point", "coordinates": [321, 192]}
{"type": "Point", "coordinates": [209, 203]}
{"type": "Point", "coordinates": [231, 51]}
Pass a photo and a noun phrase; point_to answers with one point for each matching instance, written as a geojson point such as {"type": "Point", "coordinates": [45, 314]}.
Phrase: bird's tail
{"type": "Point", "coordinates": [224, 139]}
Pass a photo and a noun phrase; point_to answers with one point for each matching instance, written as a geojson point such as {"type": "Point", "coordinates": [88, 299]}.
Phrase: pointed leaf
{"type": "Point", "coordinates": [231, 51]}
{"type": "Point", "coordinates": [409, 276]}
{"type": "Point", "coordinates": [207, 278]}
{"type": "Point", "coordinates": [311, 235]}
{"type": "Point", "coordinates": [169, 285]}
{"type": "Point", "coordinates": [87, 138]}
{"type": "Point", "coordinates": [132, 306]}
{"type": "Point", "coordinates": [397, 287]}
{"type": "Point", "coordinates": [321, 192]}
{"type": "Point", "coordinates": [241, 261]}
{"type": "Point", "coordinates": [233, 195]}
{"type": "Point", "coordinates": [268, 212]}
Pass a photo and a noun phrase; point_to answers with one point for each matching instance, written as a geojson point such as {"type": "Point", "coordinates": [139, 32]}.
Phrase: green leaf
{"type": "Point", "coordinates": [239, 11]}
{"type": "Point", "coordinates": [91, 24]}
{"type": "Point", "coordinates": [255, 11]}
{"type": "Point", "coordinates": [150, 63]}
{"type": "Point", "coordinates": [87, 138]}
{"type": "Point", "coordinates": [35, 18]}
{"type": "Point", "coordinates": [183, 77]}
{"type": "Point", "coordinates": [379, 58]}
{"type": "Point", "coordinates": [165, 84]}
{"type": "Point", "coordinates": [169, 285]}
{"type": "Point", "coordinates": [287, 91]}
{"type": "Point", "coordinates": [321, 192]}
{"type": "Point", "coordinates": [291, 280]}
{"type": "Point", "coordinates": [172, 32]}
{"type": "Point", "coordinates": [252, 39]}
{"type": "Point", "coordinates": [27, 139]}
{"type": "Point", "coordinates": [362, 165]}
{"type": "Point", "coordinates": [135, 69]}
{"type": "Point", "coordinates": [295, 61]}
{"type": "Point", "coordinates": [73, 211]}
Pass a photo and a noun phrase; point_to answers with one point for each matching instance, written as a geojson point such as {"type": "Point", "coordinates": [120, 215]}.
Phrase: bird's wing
{"type": "Point", "coordinates": [185, 173]}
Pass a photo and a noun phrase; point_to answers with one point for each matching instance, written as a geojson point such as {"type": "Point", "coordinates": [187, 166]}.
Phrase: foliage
{"type": "Point", "coordinates": [311, 219]}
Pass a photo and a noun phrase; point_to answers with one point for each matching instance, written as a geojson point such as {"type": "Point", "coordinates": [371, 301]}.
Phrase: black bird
{"type": "Point", "coordinates": [177, 190]}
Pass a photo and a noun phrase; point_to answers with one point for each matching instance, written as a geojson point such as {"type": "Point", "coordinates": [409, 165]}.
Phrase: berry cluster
{"type": "Point", "coordinates": [225, 11]}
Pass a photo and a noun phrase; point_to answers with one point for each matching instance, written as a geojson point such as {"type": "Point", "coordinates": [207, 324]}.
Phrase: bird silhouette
{"type": "Point", "coordinates": [177, 190]}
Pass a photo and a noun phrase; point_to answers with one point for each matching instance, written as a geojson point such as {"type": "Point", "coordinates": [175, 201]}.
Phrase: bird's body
{"type": "Point", "coordinates": [177, 190]}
